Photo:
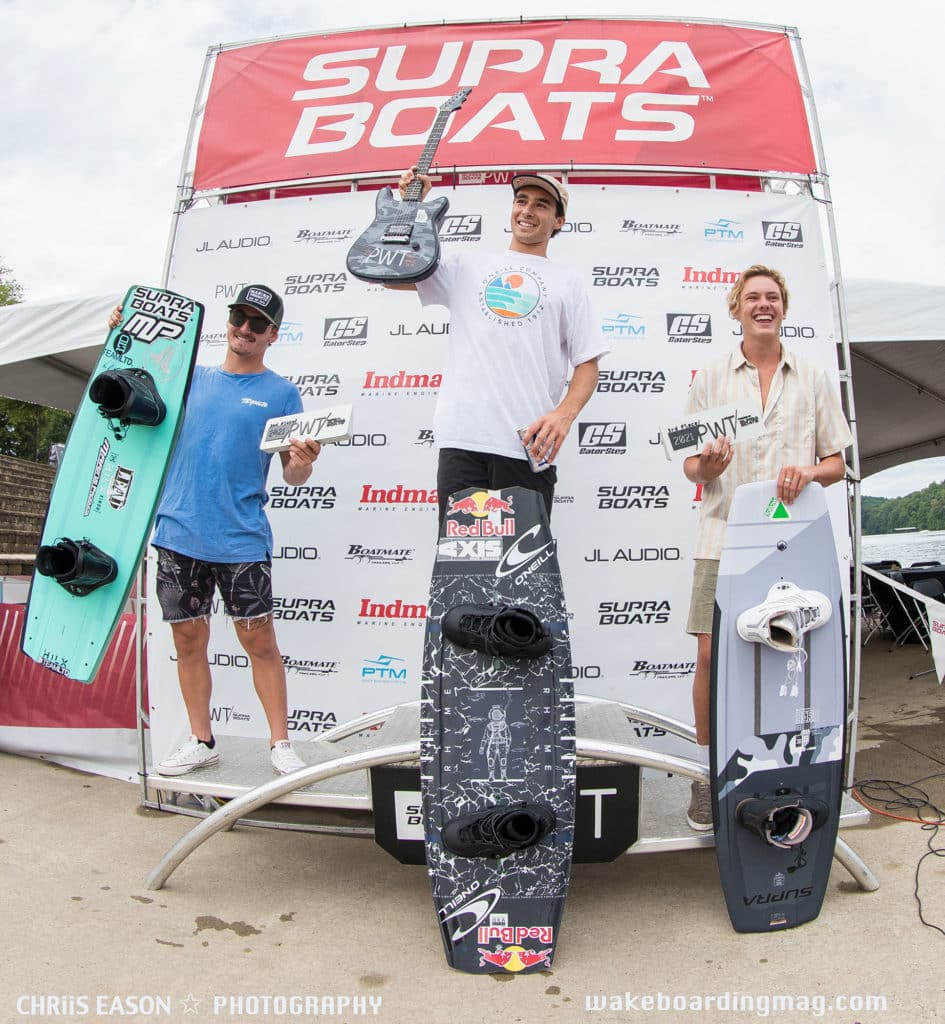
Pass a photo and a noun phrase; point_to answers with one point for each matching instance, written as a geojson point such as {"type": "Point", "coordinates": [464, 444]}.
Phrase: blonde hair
{"type": "Point", "coordinates": [756, 270]}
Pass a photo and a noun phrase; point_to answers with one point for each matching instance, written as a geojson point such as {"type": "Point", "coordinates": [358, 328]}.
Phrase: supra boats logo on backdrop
{"type": "Point", "coordinates": [304, 609]}
{"type": "Point", "coordinates": [302, 497]}
{"type": "Point", "coordinates": [346, 330]}
{"type": "Point", "coordinates": [461, 228]}
{"type": "Point", "coordinates": [632, 497]}
{"type": "Point", "coordinates": [650, 612]}
{"type": "Point", "coordinates": [631, 382]}
{"type": "Point", "coordinates": [689, 327]}
{"type": "Point", "coordinates": [624, 325]}
{"type": "Point", "coordinates": [315, 284]}
{"type": "Point", "coordinates": [625, 277]}
{"type": "Point", "coordinates": [784, 234]}
{"type": "Point", "coordinates": [316, 385]}
{"type": "Point", "coordinates": [602, 438]}
{"type": "Point", "coordinates": [311, 720]}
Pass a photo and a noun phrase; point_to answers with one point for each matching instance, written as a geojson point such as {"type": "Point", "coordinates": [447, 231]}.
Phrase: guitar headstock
{"type": "Point", "coordinates": [455, 101]}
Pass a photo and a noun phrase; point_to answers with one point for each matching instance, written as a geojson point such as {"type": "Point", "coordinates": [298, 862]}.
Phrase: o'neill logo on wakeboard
{"type": "Point", "coordinates": [479, 906]}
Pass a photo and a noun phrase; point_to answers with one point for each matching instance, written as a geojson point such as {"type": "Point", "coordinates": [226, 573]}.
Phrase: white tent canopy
{"type": "Point", "coordinates": [896, 331]}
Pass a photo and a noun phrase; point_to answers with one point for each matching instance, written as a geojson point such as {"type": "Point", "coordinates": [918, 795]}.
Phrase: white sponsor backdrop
{"type": "Point", "coordinates": [354, 548]}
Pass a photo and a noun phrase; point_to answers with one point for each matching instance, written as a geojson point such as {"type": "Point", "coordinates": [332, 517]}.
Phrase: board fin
{"type": "Point", "coordinates": [77, 565]}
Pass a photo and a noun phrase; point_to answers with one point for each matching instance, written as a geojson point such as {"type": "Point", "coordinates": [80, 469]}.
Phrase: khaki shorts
{"type": "Point", "coordinates": [702, 604]}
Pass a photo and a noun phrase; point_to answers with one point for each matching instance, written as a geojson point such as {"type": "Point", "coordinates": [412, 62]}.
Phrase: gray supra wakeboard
{"type": "Point", "coordinates": [777, 715]}
{"type": "Point", "coordinates": [497, 731]}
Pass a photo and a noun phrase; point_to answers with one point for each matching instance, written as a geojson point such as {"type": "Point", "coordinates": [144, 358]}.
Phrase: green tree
{"type": "Point", "coordinates": [27, 430]}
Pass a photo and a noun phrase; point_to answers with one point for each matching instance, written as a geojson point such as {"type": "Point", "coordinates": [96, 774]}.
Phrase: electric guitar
{"type": "Point", "coordinates": [402, 245]}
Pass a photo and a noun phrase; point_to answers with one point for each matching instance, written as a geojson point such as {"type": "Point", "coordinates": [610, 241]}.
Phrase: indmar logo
{"type": "Point", "coordinates": [689, 327]}
{"type": "Point", "coordinates": [346, 330]}
{"type": "Point", "coordinates": [783, 234]}
{"type": "Point", "coordinates": [399, 496]}
{"type": "Point", "coordinates": [602, 438]}
{"type": "Point", "coordinates": [461, 228]}
{"type": "Point", "coordinates": [708, 280]}
{"type": "Point", "coordinates": [401, 382]}
{"type": "Point", "coordinates": [391, 612]}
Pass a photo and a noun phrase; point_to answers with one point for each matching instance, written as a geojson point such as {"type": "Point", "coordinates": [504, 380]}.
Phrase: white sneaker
{"type": "Point", "coordinates": [785, 615]}
{"type": "Point", "coordinates": [188, 756]}
{"type": "Point", "coordinates": [284, 759]}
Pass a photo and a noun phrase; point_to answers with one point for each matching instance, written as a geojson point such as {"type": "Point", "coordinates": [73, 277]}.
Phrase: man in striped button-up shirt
{"type": "Point", "coordinates": [803, 440]}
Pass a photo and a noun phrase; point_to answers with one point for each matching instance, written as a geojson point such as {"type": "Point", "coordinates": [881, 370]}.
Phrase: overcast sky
{"type": "Point", "coordinates": [99, 97]}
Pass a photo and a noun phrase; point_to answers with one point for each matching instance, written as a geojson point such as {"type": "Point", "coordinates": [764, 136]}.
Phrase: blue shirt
{"type": "Point", "coordinates": [213, 503]}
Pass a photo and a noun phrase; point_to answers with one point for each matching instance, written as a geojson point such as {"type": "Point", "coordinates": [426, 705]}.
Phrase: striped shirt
{"type": "Point", "coordinates": [803, 422]}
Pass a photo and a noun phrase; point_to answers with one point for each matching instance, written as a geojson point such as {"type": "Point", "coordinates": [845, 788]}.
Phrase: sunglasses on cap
{"type": "Point", "coordinates": [257, 324]}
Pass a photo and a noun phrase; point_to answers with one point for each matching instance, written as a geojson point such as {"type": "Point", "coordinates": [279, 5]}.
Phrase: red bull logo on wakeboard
{"type": "Point", "coordinates": [515, 958]}
{"type": "Point", "coordinates": [492, 515]}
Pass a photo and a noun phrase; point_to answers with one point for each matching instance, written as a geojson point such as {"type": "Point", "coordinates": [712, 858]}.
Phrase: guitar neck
{"type": "Point", "coordinates": [414, 191]}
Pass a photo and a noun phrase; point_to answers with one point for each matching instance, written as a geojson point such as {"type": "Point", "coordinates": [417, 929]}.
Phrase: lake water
{"type": "Point", "coordinates": [905, 548]}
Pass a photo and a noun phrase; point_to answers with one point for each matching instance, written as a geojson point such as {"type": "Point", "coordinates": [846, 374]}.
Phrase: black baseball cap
{"type": "Point", "coordinates": [262, 298]}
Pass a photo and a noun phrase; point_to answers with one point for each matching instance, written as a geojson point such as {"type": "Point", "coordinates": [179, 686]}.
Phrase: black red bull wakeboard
{"type": "Point", "coordinates": [496, 731]}
{"type": "Point", "coordinates": [777, 745]}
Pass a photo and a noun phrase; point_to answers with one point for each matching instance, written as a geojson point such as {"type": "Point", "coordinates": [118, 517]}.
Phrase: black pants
{"type": "Point", "coordinates": [458, 470]}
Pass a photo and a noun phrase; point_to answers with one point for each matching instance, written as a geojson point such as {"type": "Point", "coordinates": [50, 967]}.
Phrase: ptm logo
{"type": "Point", "coordinates": [384, 669]}
{"type": "Point", "coordinates": [624, 325]}
{"type": "Point", "coordinates": [723, 230]}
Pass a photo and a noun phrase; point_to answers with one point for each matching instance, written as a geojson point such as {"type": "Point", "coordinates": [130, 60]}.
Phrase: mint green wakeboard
{"type": "Point", "coordinates": [109, 480]}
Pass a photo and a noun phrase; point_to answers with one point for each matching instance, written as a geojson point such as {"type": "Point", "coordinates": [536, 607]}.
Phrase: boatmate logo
{"type": "Point", "coordinates": [689, 327]}
{"type": "Point", "coordinates": [378, 556]}
{"type": "Point", "coordinates": [661, 670]}
{"type": "Point", "coordinates": [322, 237]}
{"type": "Point", "coordinates": [461, 228]}
{"type": "Point", "coordinates": [784, 234]}
{"type": "Point", "coordinates": [309, 666]}
{"type": "Point", "coordinates": [651, 230]}
{"type": "Point", "coordinates": [346, 330]}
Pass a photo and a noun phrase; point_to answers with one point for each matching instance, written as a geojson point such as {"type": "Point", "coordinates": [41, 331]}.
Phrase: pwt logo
{"type": "Point", "coordinates": [461, 228]}
{"type": "Point", "coordinates": [784, 234]}
{"type": "Point", "coordinates": [602, 439]}
{"type": "Point", "coordinates": [346, 330]}
{"type": "Point", "coordinates": [689, 327]}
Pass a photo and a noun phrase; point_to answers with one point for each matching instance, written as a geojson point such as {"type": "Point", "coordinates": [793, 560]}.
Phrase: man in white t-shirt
{"type": "Point", "coordinates": [520, 325]}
